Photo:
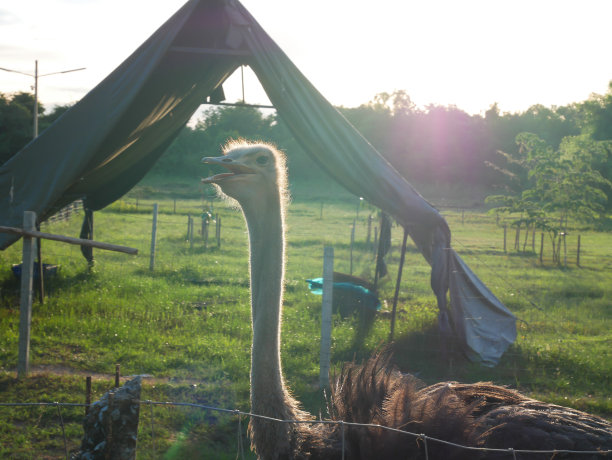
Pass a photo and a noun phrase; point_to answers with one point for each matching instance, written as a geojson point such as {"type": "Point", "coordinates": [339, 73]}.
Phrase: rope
{"type": "Point", "coordinates": [240, 452]}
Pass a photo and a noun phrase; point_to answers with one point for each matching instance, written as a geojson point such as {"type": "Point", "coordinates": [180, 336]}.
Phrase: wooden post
{"type": "Point", "coordinates": [191, 232]}
{"type": "Point", "coordinates": [578, 253]}
{"type": "Point", "coordinates": [505, 233]}
{"type": "Point", "coordinates": [533, 238]}
{"type": "Point", "coordinates": [153, 238]}
{"type": "Point", "coordinates": [40, 268]}
{"type": "Point", "coordinates": [109, 428]}
{"type": "Point", "coordinates": [541, 247]}
{"type": "Point", "coordinates": [25, 315]}
{"type": "Point", "coordinates": [397, 285]}
{"type": "Point", "coordinates": [117, 367]}
{"type": "Point", "coordinates": [218, 229]}
{"type": "Point", "coordinates": [564, 250]}
{"type": "Point", "coordinates": [517, 239]}
{"type": "Point", "coordinates": [369, 235]}
{"type": "Point", "coordinates": [205, 224]}
{"type": "Point", "coordinates": [352, 244]}
{"type": "Point", "coordinates": [326, 315]}
{"type": "Point", "coordinates": [87, 393]}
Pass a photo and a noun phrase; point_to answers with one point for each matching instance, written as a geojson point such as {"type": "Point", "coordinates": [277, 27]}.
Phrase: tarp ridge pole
{"type": "Point", "coordinates": [25, 315]}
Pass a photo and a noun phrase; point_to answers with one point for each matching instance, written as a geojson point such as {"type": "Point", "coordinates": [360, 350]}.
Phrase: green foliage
{"type": "Point", "coordinates": [555, 185]}
{"type": "Point", "coordinates": [16, 122]}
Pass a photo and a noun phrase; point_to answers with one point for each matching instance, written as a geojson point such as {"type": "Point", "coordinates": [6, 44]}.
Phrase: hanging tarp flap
{"type": "Point", "coordinates": [484, 326]}
{"type": "Point", "coordinates": [105, 144]}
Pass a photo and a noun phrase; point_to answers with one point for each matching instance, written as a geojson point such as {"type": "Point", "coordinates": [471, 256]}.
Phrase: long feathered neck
{"type": "Point", "coordinates": [267, 249]}
{"type": "Point", "coordinates": [269, 396]}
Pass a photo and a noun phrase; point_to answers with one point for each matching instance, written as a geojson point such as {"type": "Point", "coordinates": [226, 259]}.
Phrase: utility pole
{"type": "Point", "coordinates": [36, 77]}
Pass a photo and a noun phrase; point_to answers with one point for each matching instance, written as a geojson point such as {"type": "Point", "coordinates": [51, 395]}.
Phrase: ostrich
{"type": "Point", "coordinates": [478, 415]}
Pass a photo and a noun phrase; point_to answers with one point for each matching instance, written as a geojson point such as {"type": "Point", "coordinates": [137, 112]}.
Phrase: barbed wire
{"type": "Point", "coordinates": [239, 414]}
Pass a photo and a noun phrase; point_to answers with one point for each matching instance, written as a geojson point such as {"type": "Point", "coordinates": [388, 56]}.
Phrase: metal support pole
{"type": "Point", "coordinates": [397, 285]}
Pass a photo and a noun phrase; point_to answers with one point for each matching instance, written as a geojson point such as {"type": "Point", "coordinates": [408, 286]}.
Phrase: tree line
{"type": "Point", "coordinates": [528, 162]}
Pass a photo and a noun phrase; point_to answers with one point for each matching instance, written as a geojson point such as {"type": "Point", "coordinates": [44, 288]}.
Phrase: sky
{"type": "Point", "coordinates": [468, 53]}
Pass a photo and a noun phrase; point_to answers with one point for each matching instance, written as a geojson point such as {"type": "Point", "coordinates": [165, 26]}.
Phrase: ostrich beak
{"type": "Point", "coordinates": [234, 167]}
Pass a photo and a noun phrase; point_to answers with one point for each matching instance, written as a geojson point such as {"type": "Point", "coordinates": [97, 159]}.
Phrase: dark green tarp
{"type": "Point", "coordinates": [104, 145]}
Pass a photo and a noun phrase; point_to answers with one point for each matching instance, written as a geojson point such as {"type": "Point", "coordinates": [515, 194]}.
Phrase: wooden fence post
{"type": "Point", "coordinates": [517, 239]}
{"type": "Point", "coordinates": [578, 253]}
{"type": "Point", "coordinates": [505, 233]}
{"type": "Point", "coordinates": [218, 231]}
{"type": "Point", "coordinates": [87, 394]}
{"type": "Point", "coordinates": [205, 229]}
{"type": "Point", "coordinates": [326, 315]}
{"type": "Point", "coordinates": [352, 244]}
{"type": "Point", "coordinates": [153, 238]}
{"type": "Point", "coordinates": [25, 314]}
{"type": "Point", "coordinates": [191, 232]}
{"type": "Point", "coordinates": [541, 247]}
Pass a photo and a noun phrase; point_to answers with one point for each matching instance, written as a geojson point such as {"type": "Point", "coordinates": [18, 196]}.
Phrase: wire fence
{"type": "Point", "coordinates": [174, 225]}
{"type": "Point", "coordinates": [426, 440]}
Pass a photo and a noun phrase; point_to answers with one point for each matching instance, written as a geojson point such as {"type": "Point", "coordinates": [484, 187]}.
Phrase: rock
{"type": "Point", "coordinates": [111, 425]}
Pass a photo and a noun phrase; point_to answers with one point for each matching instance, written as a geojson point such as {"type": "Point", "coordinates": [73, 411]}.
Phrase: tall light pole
{"type": "Point", "coordinates": [36, 77]}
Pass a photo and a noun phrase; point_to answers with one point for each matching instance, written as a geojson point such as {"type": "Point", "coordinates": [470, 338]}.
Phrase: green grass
{"type": "Point", "coordinates": [187, 323]}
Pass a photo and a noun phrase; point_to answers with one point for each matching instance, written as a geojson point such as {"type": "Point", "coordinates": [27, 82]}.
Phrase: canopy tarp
{"type": "Point", "coordinates": [100, 148]}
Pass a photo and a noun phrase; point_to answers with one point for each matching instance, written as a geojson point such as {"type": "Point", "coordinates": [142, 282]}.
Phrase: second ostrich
{"type": "Point", "coordinates": [477, 415]}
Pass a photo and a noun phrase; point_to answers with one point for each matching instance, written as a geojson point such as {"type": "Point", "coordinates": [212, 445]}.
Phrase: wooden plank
{"type": "Point", "coordinates": [69, 240]}
{"type": "Point", "coordinates": [209, 51]}
{"type": "Point", "coordinates": [25, 315]}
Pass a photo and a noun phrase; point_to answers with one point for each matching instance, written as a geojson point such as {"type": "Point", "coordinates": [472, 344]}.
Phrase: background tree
{"type": "Point", "coordinates": [16, 123]}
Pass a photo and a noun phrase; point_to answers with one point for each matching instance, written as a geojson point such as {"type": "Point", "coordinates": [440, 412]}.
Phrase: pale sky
{"type": "Point", "coordinates": [467, 53]}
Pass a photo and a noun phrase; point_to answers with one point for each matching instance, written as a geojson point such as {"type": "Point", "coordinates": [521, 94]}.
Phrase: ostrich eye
{"type": "Point", "coordinates": [262, 160]}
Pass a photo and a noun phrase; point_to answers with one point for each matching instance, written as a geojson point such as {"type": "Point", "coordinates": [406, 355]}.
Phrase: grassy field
{"type": "Point", "coordinates": [186, 325]}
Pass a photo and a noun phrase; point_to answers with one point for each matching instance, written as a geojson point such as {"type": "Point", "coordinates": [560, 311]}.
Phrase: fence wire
{"type": "Point", "coordinates": [240, 447]}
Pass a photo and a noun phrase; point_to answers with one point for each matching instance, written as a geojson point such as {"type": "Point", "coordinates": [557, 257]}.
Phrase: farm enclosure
{"type": "Point", "coordinates": [187, 322]}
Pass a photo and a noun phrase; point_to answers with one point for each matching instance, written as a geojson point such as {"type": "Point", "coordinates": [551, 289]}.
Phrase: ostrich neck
{"type": "Point", "coordinates": [266, 239]}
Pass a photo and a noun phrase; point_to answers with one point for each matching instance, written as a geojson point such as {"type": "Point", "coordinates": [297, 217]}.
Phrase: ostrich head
{"type": "Point", "coordinates": [255, 172]}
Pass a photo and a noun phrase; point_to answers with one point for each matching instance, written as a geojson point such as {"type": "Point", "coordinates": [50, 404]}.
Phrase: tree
{"type": "Point", "coordinates": [16, 123]}
{"type": "Point", "coordinates": [557, 185]}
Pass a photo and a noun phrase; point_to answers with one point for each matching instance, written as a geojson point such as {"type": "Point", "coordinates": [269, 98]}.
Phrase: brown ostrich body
{"type": "Point", "coordinates": [478, 415]}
